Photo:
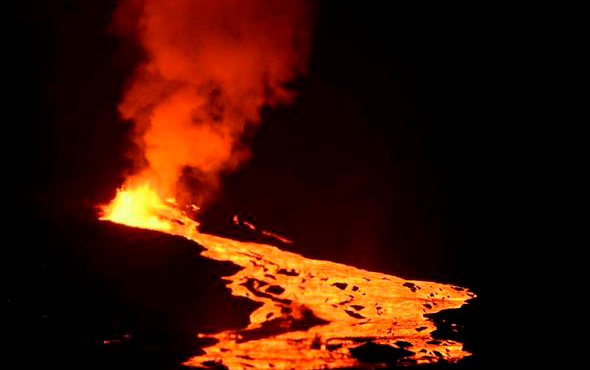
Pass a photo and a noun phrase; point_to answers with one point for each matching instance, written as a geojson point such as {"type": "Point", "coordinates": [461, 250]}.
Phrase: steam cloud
{"type": "Point", "coordinates": [209, 66]}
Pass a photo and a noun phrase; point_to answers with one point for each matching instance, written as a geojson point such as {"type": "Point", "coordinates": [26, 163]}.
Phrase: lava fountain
{"type": "Point", "coordinates": [209, 67]}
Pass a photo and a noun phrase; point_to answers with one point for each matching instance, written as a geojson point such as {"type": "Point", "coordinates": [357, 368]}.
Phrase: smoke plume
{"type": "Point", "coordinates": [208, 68]}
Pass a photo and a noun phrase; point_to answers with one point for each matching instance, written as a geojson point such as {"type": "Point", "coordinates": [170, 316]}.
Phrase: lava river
{"type": "Point", "coordinates": [313, 314]}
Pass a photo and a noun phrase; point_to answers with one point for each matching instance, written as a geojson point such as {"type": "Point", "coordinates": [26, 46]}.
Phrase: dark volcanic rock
{"type": "Point", "coordinates": [119, 295]}
{"type": "Point", "coordinates": [378, 353]}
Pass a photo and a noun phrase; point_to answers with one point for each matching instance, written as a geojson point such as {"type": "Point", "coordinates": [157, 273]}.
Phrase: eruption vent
{"type": "Point", "coordinates": [209, 67]}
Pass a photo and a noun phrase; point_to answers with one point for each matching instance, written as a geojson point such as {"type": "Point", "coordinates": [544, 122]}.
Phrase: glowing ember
{"type": "Point", "coordinates": [313, 314]}
{"type": "Point", "coordinates": [251, 226]}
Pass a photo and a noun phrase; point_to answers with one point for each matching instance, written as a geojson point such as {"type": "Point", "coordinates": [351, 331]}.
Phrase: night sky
{"type": "Point", "coordinates": [392, 157]}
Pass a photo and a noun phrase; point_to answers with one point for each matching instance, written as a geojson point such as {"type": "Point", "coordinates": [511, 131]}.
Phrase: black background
{"type": "Point", "coordinates": [398, 154]}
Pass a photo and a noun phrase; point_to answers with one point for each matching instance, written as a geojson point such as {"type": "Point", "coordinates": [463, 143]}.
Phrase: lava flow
{"type": "Point", "coordinates": [208, 69]}
{"type": "Point", "coordinates": [313, 314]}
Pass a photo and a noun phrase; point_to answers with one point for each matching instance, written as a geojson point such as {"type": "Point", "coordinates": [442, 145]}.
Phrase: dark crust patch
{"type": "Point", "coordinates": [413, 287]}
{"type": "Point", "coordinates": [354, 314]}
{"type": "Point", "coordinates": [379, 353]}
{"type": "Point", "coordinates": [340, 285]}
{"type": "Point", "coordinates": [291, 272]}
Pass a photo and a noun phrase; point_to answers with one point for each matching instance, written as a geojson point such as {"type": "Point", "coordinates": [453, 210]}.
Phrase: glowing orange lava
{"type": "Point", "coordinates": [141, 206]}
{"type": "Point", "coordinates": [209, 68]}
{"type": "Point", "coordinates": [313, 313]}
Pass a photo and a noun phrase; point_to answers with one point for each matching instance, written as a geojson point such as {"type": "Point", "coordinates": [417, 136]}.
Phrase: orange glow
{"type": "Point", "coordinates": [209, 67]}
{"type": "Point", "coordinates": [137, 207]}
{"type": "Point", "coordinates": [140, 206]}
{"type": "Point", "coordinates": [312, 312]}
{"type": "Point", "coordinates": [252, 227]}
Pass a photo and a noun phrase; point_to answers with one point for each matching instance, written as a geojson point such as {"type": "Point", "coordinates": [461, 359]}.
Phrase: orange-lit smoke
{"type": "Point", "coordinates": [209, 66]}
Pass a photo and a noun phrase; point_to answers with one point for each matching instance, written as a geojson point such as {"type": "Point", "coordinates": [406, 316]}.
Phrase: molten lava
{"type": "Point", "coordinates": [209, 67]}
{"type": "Point", "coordinates": [141, 206]}
{"type": "Point", "coordinates": [313, 314]}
